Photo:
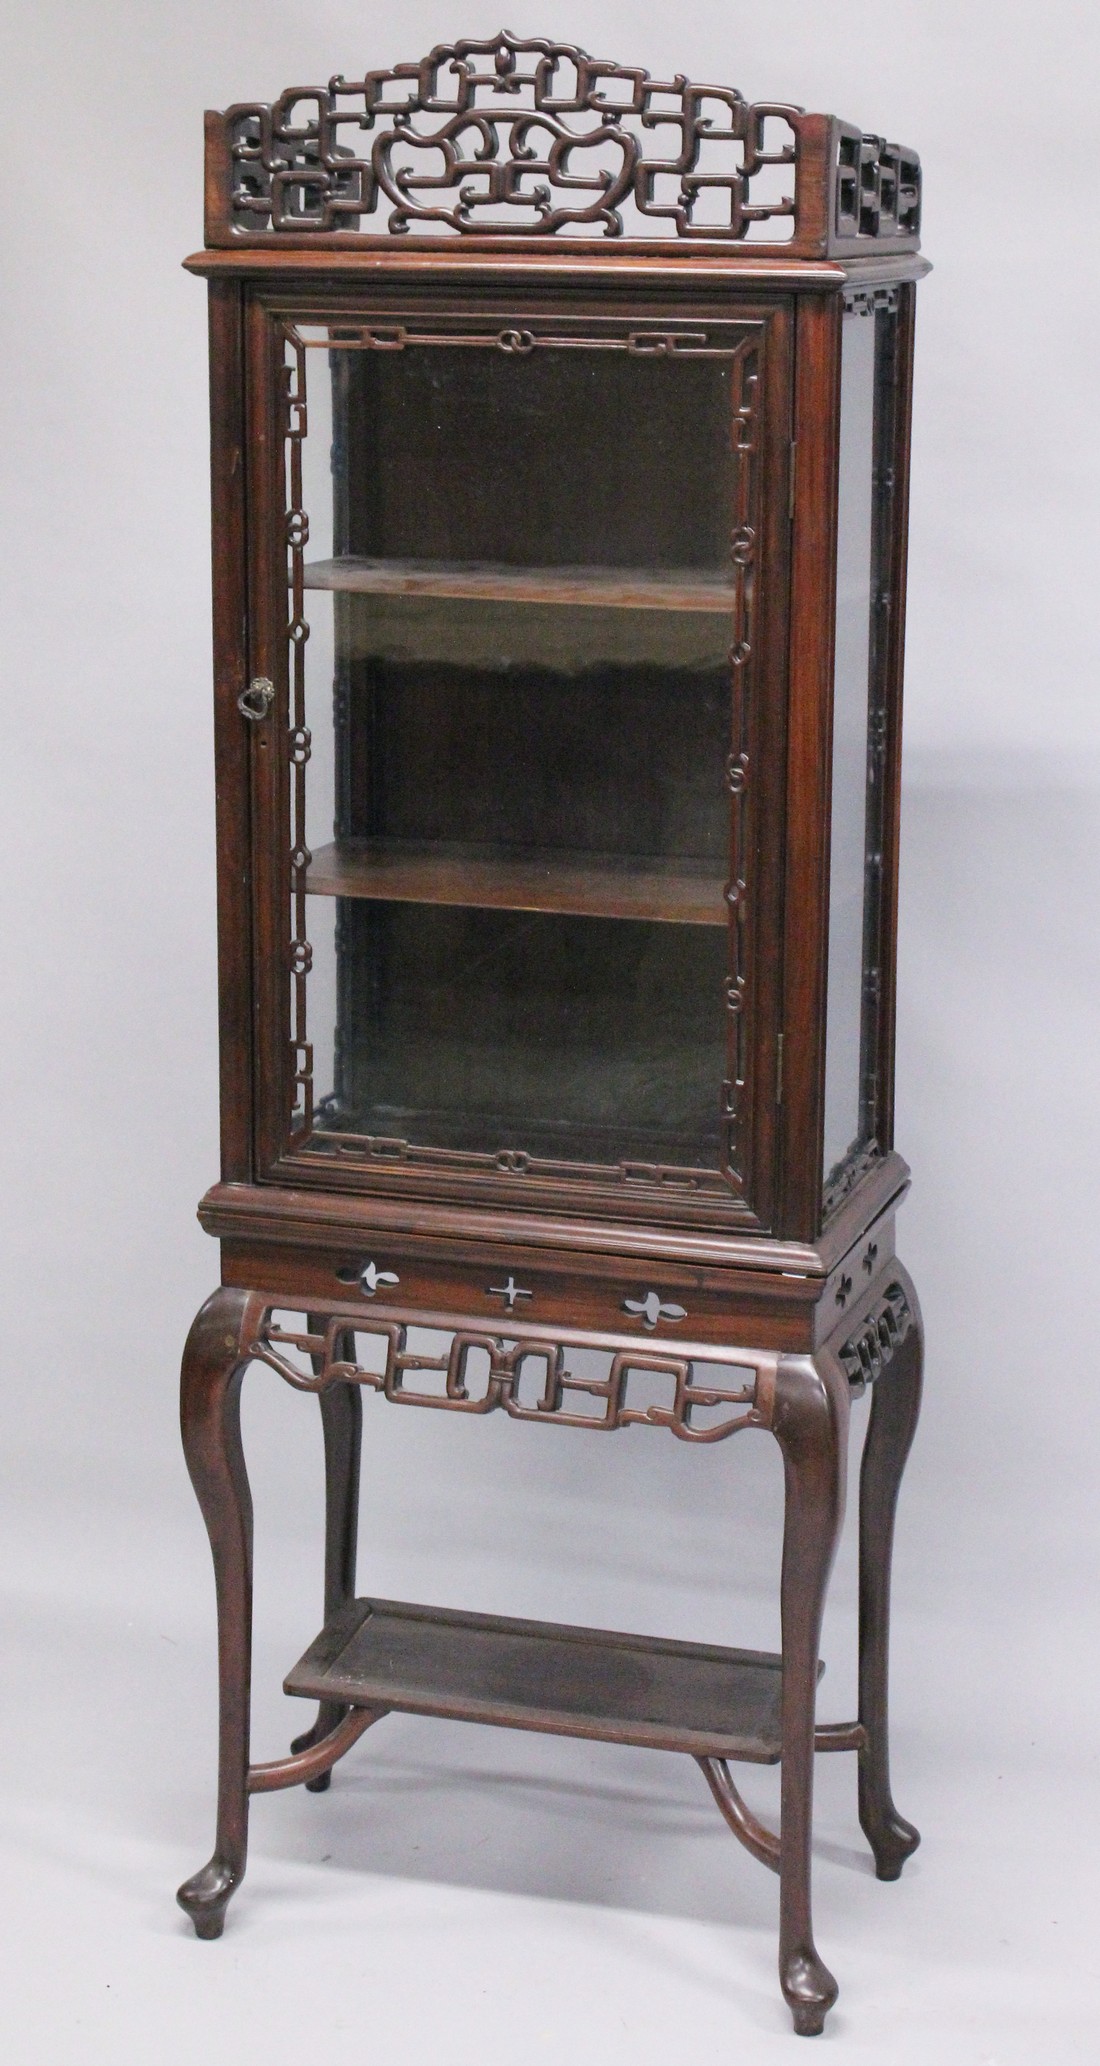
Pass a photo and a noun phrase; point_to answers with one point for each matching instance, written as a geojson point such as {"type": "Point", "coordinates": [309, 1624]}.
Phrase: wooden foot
{"type": "Point", "coordinates": [811, 1426]}
{"type": "Point", "coordinates": [214, 1362]}
{"type": "Point", "coordinates": [206, 1895]}
{"type": "Point", "coordinates": [894, 1410]}
{"type": "Point", "coordinates": [342, 1426]}
{"type": "Point", "coordinates": [809, 1991]}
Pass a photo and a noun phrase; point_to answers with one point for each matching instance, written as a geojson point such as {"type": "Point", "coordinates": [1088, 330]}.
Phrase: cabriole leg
{"type": "Point", "coordinates": [895, 1406]}
{"type": "Point", "coordinates": [811, 1425]}
{"type": "Point", "coordinates": [342, 1425]}
{"type": "Point", "coordinates": [214, 1363]}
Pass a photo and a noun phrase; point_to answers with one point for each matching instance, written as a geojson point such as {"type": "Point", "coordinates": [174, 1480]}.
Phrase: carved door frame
{"type": "Point", "coordinates": [756, 334]}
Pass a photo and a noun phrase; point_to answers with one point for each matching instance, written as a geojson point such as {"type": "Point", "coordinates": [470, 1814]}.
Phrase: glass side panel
{"type": "Point", "coordinates": [511, 846]}
{"type": "Point", "coordinates": [864, 515]}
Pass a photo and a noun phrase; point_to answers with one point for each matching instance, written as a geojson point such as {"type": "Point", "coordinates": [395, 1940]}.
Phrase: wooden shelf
{"type": "Point", "coordinates": [565, 619]}
{"type": "Point", "coordinates": [573, 885]}
{"type": "Point", "coordinates": [607, 588]}
{"type": "Point", "coordinates": [692, 1697]}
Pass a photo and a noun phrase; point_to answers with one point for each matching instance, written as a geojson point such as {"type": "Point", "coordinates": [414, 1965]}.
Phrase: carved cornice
{"type": "Point", "coordinates": [527, 138]}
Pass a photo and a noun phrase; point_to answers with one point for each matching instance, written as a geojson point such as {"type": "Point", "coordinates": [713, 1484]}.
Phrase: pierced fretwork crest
{"type": "Point", "coordinates": [517, 135]}
{"type": "Point", "coordinates": [877, 189]}
{"type": "Point", "coordinates": [525, 137]}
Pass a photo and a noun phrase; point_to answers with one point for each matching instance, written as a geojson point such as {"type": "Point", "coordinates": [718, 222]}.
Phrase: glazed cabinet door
{"type": "Point", "coordinates": [517, 615]}
{"type": "Point", "coordinates": [866, 695]}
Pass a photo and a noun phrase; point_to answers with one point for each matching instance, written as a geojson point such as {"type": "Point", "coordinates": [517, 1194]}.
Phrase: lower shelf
{"type": "Point", "coordinates": [578, 885]}
{"type": "Point", "coordinates": [692, 1697]}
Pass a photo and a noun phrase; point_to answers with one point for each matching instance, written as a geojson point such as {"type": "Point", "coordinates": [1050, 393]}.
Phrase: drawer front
{"type": "Point", "coordinates": [606, 1296]}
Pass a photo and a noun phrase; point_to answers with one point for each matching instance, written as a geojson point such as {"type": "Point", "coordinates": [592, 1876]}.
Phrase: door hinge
{"type": "Point", "coordinates": [779, 1070]}
{"type": "Point", "coordinates": [791, 466]}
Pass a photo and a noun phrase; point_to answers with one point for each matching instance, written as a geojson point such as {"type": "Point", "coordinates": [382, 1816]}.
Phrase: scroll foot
{"type": "Point", "coordinates": [206, 1896]}
{"type": "Point", "coordinates": [893, 1840]}
{"type": "Point", "coordinates": [809, 1991]}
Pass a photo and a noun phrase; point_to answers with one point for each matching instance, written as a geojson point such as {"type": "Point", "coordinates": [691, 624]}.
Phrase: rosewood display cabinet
{"type": "Point", "coordinates": [560, 449]}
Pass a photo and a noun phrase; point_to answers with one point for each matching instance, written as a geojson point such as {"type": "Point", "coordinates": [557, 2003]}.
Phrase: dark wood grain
{"type": "Point", "coordinates": [748, 1155]}
{"type": "Point", "coordinates": [314, 1754]}
{"type": "Point", "coordinates": [693, 1697]}
{"type": "Point", "coordinates": [811, 1427]}
{"type": "Point", "coordinates": [763, 913]}
{"type": "Point", "coordinates": [660, 264]}
{"type": "Point", "coordinates": [813, 583]}
{"type": "Point", "coordinates": [894, 1412]}
{"type": "Point", "coordinates": [214, 1363]}
{"type": "Point", "coordinates": [290, 173]}
{"type": "Point", "coordinates": [342, 1426]}
{"type": "Point", "coordinates": [270, 785]}
{"type": "Point", "coordinates": [302, 1216]}
{"type": "Point", "coordinates": [582, 1311]}
{"type": "Point", "coordinates": [231, 747]}
{"type": "Point", "coordinates": [583, 722]}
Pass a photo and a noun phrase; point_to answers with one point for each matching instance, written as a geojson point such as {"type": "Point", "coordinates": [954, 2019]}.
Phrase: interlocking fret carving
{"type": "Point", "coordinates": [745, 354]}
{"type": "Point", "coordinates": [393, 1151]}
{"type": "Point", "coordinates": [514, 135]}
{"type": "Point", "coordinates": [878, 189]}
{"type": "Point", "coordinates": [295, 425]}
{"type": "Point", "coordinates": [867, 301]}
{"type": "Point", "coordinates": [884, 315]}
{"type": "Point", "coordinates": [866, 1353]}
{"type": "Point", "coordinates": [651, 342]}
{"type": "Point", "coordinates": [745, 433]}
{"type": "Point", "coordinates": [482, 1372]}
{"type": "Point", "coordinates": [847, 1175]}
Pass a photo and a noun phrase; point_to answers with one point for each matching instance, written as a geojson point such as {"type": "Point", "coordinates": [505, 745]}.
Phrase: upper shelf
{"type": "Point", "coordinates": [606, 588]}
{"type": "Point", "coordinates": [565, 618]}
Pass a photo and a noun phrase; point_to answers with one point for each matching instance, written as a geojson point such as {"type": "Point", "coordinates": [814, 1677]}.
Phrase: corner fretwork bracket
{"type": "Point", "coordinates": [867, 1350]}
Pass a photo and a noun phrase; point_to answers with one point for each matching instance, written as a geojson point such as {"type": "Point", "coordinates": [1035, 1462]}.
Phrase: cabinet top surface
{"type": "Point", "coordinates": [534, 142]}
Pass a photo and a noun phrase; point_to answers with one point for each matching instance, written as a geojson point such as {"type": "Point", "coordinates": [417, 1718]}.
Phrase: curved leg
{"type": "Point", "coordinates": [895, 1406]}
{"type": "Point", "coordinates": [214, 1362]}
{"type": "Point", "coordinates": [342, 1425]}
{"type": "Point", "coordinates": [811, 1425]}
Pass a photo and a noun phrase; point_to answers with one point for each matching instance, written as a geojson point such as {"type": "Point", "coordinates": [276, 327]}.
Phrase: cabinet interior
{"type": "Point", "coordinates": [532, 602]}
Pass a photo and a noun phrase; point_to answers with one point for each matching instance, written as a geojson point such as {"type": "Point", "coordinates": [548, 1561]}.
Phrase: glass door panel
{"type": "Point", "coordinates": [864, 540]}
{"type": "Point", "coordinates": [517, 742]}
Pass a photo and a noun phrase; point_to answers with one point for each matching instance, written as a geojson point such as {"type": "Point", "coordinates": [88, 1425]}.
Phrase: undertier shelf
{"type": "Point", "coordinates": [645, 1690]}
{"type": "Point", "coordinates": [574, 885]}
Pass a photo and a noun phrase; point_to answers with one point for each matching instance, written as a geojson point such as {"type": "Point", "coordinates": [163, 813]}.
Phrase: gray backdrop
{"type": "Point", "coordinates": [587, 1901]}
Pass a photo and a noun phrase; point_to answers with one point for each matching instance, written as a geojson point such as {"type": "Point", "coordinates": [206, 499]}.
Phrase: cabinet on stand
{"type": "Point", "coordinates": [560, 454]}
